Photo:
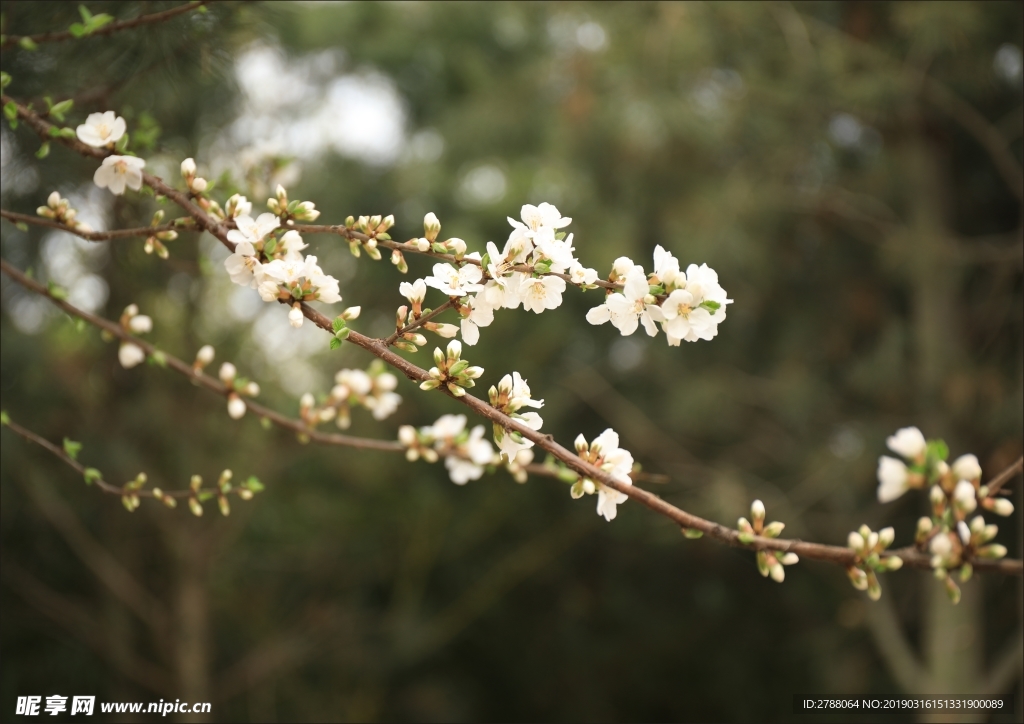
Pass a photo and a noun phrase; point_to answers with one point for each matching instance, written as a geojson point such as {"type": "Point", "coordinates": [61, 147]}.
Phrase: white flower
{"type": "Point", "coordinates": [129, 355]}
{"type": "Point", "coordinates": [541, 293]}
{"type": "Point", "coordinates": [964, 496]}
{"type": "Point", "coordinates": [559, 252]}
{"type": "Point", "coordinates": [666, 266]}
{"type": "Point", "coordinates": [116, 172]}
{"type": "Point", "coordinates": [622, 266]}
{"type": "Point", "coordinates": [237, 205]}
{"type": "Point", "coordinates": [538, 217]}
{"type": "Point", "coordinates": [243, 267]}
{"type": "Point", "coordinates": [628, 308]}
{"type": "Point", "coordinates": [140, 324]}
{"type": "Point", "coordinates": [101, 129]}
{"type": "Point", "coordinates": [481, 315]}
{"type": "Point", "coordinates": [612, 459]}
{"type": "Point", "coordinates": [292, 245]}
{"type": "Point", "coordinates": [472, 456]}
{"type": "Point", "coordinates": [290, 273]}
{"type": "Point", "coordinates": [580, 274]}
{"type": "Point", "coordinates": [908, 442]}
{"type": "Point", "coordinates": [227, 373]}
{"type": "Point", "coordinates": [455, 282]}
{"type": "Point", "coordinates": [607, 500]}
{"type": "Point", "coordinates": [355, 382]}
{"type": "Point", "coordinates": [684, 319]}
{"type": "Point", "coordinates": [941, 545]}
{"type": "Point", "coordinates": [892, 479]}
{"type": "Point", "coordinates": [448, 426]}
{"type": "Point", "coordinates": [967, 467]}
{"type": "Point", "coordinates": [414, 292]}
{"type": "Point", "coordinates": [253, 230]}
{"type": "Point", "coordinates": [520, 395]}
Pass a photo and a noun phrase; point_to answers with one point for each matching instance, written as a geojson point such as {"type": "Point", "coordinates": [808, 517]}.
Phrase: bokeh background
{"type": "Point", "coordinates": [852, 170]}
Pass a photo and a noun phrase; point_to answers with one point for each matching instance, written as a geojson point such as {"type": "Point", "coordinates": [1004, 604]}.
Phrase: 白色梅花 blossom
{"type": "Point", "coordinates": [628, 308]}
{"type": "Point", "coordinates": [455, 282]}
{"type": "Point", "coordinates": [118, 172]}
{"type": "Point", "coordinates": [510, 396]}
{"type": "Point", "coordinates": [604, 452]}
{"type": "Point", "coordinates": [695, 308]}
{"type": "Point", "coordinates": [101, 129]}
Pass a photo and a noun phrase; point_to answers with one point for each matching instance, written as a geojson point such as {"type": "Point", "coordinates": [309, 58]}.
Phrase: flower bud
{"type": "Point", "coordinates": [964, 532]}
{"type": "Point", "coordinates": [885, 537]}
{"type": "Point", "coordinates": [295, 315]}
{"type": "Point", "coordinates": [444, 330]}
{"type": "Point", "coordinates": [964, 498]}
{"type": "Point", "coordinates": [423, 245]}
{"type": "Point", "coordinates": [140, 324]}
{"type": "Point", "coordinates": [456, 245]}
{"type": "Point", "coordinates": [581, 443]}
{"type": "Point", "coordinates": [967, 467]}
{"type": "Point", "coordinates": [225, 507]}
{"type": "Point", "coordinates": [589, 487]}
{"type": "Point", "coordinates": [204, 356]}
{"type": "Point", "coordinates": [778, 573]}
{"type": "Point", "coordinates": [198, 185]}
{"type": "Point", "coordinates": [992, 551]}
{"type": "Point", "coordinates": [892, 563]}
{"type": "Point", "coordinates": [858, 578]}
{"type": "Point", "coordinates": [407, 435]}
{"type": "Point", "coordinates": [130, 355]}
{"type": "Point", "coordinates": [757, 512]}
{"type": "Point", "coordinates": [236, 406]}
{"type": "Point", "coordinates": [788, 559]}
{"type": "Point", "coordinates": [251, 389]}
{"type": "Point", "coordinates": [431, 226]}
{"type": "Point", "coordinates": [195, 507]}
{"type": "Point", "coordinates": [773, 529]}
{"type": "Point", "coordinates": [188, 168]}
{"type": "Point", "coordinates": [999, 506]}
{"type": "Point", "coordinates": [454, 350]}
{"type": "Point", "coordinates": [53, 200]}
{"type": "Point", "coordinates": [855, 541]}
{"type": "Point", "coordinates": [131, 310]}
{"type": "Point", "coordinates": [227, 373]}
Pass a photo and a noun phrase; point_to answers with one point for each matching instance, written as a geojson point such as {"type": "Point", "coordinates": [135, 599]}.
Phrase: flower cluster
{"type": "Point", "coordinates": [955, 492]}
{"type": "Point", "coordinates": [869, 546]}
{"type": "Point", "coordinates": [769, 563]}
{"type": "Point", "coordinates": [130, 354]}
{"type": "Point", "coordinates": [155, 242]}
{"type": "Point", "coordinates": [273, 263]}
{"type": "Point", "coordinates": [373, 389]}
{"type": "Point", "coordinates": [60, 210]}
{"type": "Point", "coordinates": [604, 453]}
{"type": "Point", "coordinates": [245, 490]}
{"type": "Point", "coordinates": [466, 452]}
{"type": "Point", "coordinates": [450, 370]}
{"type": "Point", "coordinates": [291, 211]}
{"type": "Point", "coordinates": [526, 271]}
{"type": "Point", "coordinates": [511, 395]}
{"type": "Point", "coordinates": [236, 387]}
{"type": "Point", "coordinates": [373, 228]}
{"type": "Point", "coordinates": [689, 306]}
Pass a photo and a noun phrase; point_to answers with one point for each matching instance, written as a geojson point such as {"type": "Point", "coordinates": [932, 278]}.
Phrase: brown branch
{"type": "Point", "coordinates": [814, 551]}
{"type": "Point", "coordinates": [53, 37]}
{"type": "Point", "coordinates": [419, 322]}
{"type": "Point", "coordinates": [142, 231]}
{"type": "Point", "coordinates": [1004, 477]}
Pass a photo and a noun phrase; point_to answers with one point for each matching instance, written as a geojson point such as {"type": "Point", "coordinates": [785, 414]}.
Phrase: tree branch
{"type": "Point", "coordinates": [814, 551]}
{"type": "Point", "coordinates": [142, 231]}
{"type": "Point", "coordinates": [54, 37]}
{"type": "Point", "coordinates": [1004, 477]}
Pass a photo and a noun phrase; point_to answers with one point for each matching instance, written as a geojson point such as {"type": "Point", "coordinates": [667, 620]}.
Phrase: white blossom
{"type": "Point", "coordinates": [414, 292]}
{"type": "Point", "coordinates": [243, 265]}
{"type": "Point", "coordinates": [470, 458]}
{"type": "Point", "coordinates": [666, 267]}
{"type": "Point", "coordinates": [694, 310]}
{"type": "Point", "coordinates": [628, 308]}
{"type": "Point", "coordinates": [908, 442]}
{"type": "Point", "coordinates": [967, 467]}
{"type": "Point", "coordinates": [455, 282]}
{"type": "Point", "coordinates": [117, 172]}
{"type": "Point", "coordinates": [892, 479]}
{"type": "Point", "coordinates": [295, 316]}
{"type": "Point", "coordinates": [237, 205]}
{"type": "Point", "coordinates": [236, 407]}
{"type": "Point", "coordinates": [540, 293]}
{"type": "Point", "coordinates": [580, 274]}
{"type": "Point", "coordinates": [481, 315]}
{"type": "Point", "coordinates": [253, 230]}
{"type": "Point", "coordinates": [101, 129]}
{"type": "Point", "coordinates": [964, 496]}
{"type": "Point", "coordinates": [559, 252]}
{"type": "Point", "coordinates": [291, 245]}
{"type": "Point", "coordinates": [538, 217]}
{"type": "Point", "coordinates": [130, 355]}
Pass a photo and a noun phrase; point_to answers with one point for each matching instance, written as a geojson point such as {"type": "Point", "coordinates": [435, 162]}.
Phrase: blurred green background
{"type": "Point", "coordinates": [850, 169]}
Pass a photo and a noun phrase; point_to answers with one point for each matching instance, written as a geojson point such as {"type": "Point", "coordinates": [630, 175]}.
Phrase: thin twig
{"type": "Point", "coordinates": [419, 322]}
{"type": "Point", "coordinates": [1004, 477]}
{"type": "Point", "coordinates": [139, 232]}
{"type": "Point", "coordinates": [815, 551]}
{"type": "Point", "coordinates": [12, 40]}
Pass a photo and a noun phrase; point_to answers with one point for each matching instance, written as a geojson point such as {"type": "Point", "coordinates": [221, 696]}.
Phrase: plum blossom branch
{"type": "Point", "coordinates": [587, 470]}
{"type": "Point", "coordinates": [140, 232]}
{"type": "Point", "coordinates": [162, 16]}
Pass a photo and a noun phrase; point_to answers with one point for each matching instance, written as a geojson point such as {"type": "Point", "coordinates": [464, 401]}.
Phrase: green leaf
{"type": "Point", "coordinates": [72, 448]}
{"type": "Point", "coordinates": [84, 12]}
{"type": "Point", "coordinates": [11, 110]}
{"type": "Point", "coordinates": [5, 79]}
{"type": "Point", "coordinates": [710, 306]}
{"type": "Point", "coordinates": [67, 133]}
{"type": "Point", "coordinates": [59, 109]}
{"type": "Point", "coordinates": [21, 226]}
{"type": "Point", "coordinates": [159, 358]}
{"type": "Point", "coordinates": [335, 343]}
{"type": "Point", "coordinates": [205, 495]}
{"type": "Point", "coordinates": [27, 43]}
{"type": "Point", "coordinates": [98, 21]}
{"type": "Point", "coordinates": [44, 150]}
{"type": "Point", "coordinates": [57, 292]}
{"type": "Point", "coordinates": [77, 30]}
{"type": "Point", "coordinates": [53, 131]}
{"type": "Point", "coordinates": [338, 324]}
{"type": "Point", "coordinates": [91, 475]}
{"type": "Point", "coordinates": [4, 418]}
{"type": "Point", "coordinates": [253, 484]}
{"type": "Point", "coordinates": [938, 449]}
{"type": "Point", "coordinates": [122, 143]}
